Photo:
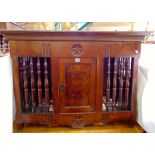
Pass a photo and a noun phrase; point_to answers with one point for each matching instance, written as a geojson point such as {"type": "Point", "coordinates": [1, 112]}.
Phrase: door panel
{"type": "Point", "coordinates": [77, 85]}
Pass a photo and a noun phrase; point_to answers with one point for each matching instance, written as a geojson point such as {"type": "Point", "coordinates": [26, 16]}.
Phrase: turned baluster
{"type": "Point", "coordinates": [39, 84]}
{"type": "Point", "coordinates": [21, 68]}
{"type": "Point", "coordinates": [127, 82]}
{"type": "Point", "coordinates": [46, 85]}
{"type": "Point", "coordinates": [32, 85]}
{"type": "Point", "coordinates": [118, 78]}
{"type": "Point", "coordinates": [114, 84]}
{"type": "Point", "coordinates": [119, 72]}
{"type": "Point", "coordinates": [25, 78]}
{"type": "Point", "coordinates": [123, 77]}
{"type": "Point", "coordinates": [124, 66]}
{"type": "Point", "coordinates": [108, 87]}
{"type": "Point", "coordinates": [120, 85]}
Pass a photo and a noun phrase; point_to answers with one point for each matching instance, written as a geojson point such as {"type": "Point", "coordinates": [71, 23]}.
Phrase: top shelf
{"type": "Point", "coordinates": [75, 35]}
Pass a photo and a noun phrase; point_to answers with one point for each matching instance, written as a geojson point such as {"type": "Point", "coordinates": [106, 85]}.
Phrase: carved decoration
{"type": "Point", "coordinates": [78, 122]}
{"type": "Point", "coordinates": [46, 50]}
{"type": "Point", "coordinates": [77, 50]}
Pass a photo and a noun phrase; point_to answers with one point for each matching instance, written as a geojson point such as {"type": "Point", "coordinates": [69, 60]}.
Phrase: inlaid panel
{"type": "Point", "coordinates": [77, 80]}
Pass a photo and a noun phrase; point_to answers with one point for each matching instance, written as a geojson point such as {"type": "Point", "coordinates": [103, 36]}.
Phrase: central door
{"type": "Point", "coordinates": [76, 85]}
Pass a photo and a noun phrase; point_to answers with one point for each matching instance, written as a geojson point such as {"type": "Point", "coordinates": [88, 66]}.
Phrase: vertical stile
{"type": "Point", "coordinates": [25, 78]}
{"type": "Point", "coordinates": [108, 87]}
{"type": "Point", "coordinates": [114, 84]}
{"type": "Point", "coordinates": [39, 84]}
{"type": "Point", "coordinates": [32, 85]}
{"type": "Point", "coordinates": [127, 82]}
{"type": "Point", "coordinates": [46, 84]}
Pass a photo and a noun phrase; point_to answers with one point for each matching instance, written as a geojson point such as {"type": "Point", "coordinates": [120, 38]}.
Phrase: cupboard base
{"type": "Point", "coordinates": [73, 120]}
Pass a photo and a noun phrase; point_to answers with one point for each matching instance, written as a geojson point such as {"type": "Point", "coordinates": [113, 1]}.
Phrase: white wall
{"type": "Point", "coordinates": [146, 88]}
{"type": "Point", "coordinates": [6, 88]}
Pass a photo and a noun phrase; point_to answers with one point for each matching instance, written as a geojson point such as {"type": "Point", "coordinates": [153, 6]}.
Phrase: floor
{"type": "Point", "coordinates": [121, 127]}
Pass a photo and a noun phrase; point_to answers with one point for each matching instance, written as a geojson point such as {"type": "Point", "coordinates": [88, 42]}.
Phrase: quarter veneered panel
{"type": "Point", "coordinates": [77, 80]}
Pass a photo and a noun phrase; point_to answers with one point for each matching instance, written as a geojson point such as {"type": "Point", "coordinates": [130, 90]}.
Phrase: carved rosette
{"type": "Point", "coordinates": [77, 50]}
{"type": "Point", "coordinates": [78, 122]}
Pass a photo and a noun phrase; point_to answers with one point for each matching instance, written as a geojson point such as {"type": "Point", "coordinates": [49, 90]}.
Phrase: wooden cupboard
{"type": "Point", "coordinates": [74, 78]}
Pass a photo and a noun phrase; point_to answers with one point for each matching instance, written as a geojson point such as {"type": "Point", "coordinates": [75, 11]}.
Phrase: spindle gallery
{"type": "Point", "coordinates": [34, 84]}
{"type": "Point", "coordinates": [118, 84]}
{"type": "Point", "coordinates": [74, 78]}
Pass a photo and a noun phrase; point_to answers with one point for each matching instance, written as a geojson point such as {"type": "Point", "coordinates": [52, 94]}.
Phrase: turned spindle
{"type": "Point", "coordinates": [114, 84]}
{"type": "Point", "coordinates": [32, 86]}
{"type": "Point", "coordinates": [127, 82]}
{"type": "Point", "coordinates": [124, 67]}
{"type": "Point", "coordinates": [120, 85]}
{"type": "Point", "coordinates": [108, 87]}
{"type": "Point", "coordinates": [39, 84]}
{"type": "Point", "coordinates": [25, 79]}
{"type": "Point", "coordinates": [46, 85]}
